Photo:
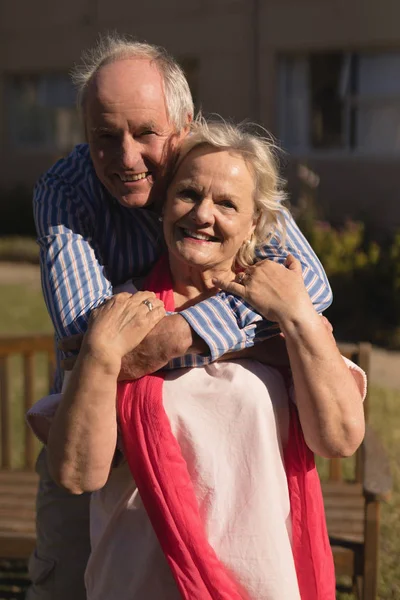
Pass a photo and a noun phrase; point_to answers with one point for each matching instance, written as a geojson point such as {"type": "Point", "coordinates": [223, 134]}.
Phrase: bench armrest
{"type": "Point", "coordinates": [377, 474]}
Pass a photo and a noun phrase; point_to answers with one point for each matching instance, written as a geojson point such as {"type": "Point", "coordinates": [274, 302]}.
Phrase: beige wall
{"type": "Point", "coordinates": [45, 36]}
{"type": "Point", "coordinates": [363, 189]}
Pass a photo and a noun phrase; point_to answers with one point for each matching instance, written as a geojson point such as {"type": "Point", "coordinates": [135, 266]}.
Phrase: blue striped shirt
{"type": "Point", "coordinates": [89, 244]}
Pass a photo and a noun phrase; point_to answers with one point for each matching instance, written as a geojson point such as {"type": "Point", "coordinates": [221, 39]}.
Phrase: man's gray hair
{"type": "Point", "coordinates": [111, 48]}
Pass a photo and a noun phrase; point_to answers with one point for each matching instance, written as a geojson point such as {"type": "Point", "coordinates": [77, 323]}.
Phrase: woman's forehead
{"type": "Point", "coordinates": [223, 166]}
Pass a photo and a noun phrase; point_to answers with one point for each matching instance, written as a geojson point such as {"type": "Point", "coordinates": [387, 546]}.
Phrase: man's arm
{"type": "Point", "coordinates": [223, 323]}
{"type": "Point", "coordinates": [170, 339]}
{"type": "Point", "coordinates": [74, 283]}
{"type": "Point", "coordinates": [73, 280]}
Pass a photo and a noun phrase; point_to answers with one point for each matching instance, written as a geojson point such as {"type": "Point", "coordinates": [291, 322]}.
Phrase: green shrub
{"type": "Point", "coordinates": [365, 279]}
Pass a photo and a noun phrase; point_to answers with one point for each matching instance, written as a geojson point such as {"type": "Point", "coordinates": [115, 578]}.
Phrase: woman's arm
{"type": "Point", "coordinates": [83, 435]}
{"type": "Point", "coordinates": [327, 396]}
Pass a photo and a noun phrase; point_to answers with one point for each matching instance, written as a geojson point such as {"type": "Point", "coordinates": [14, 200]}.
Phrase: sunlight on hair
{"type": "Point", "coordinates": [112, 47]}
{"type": "Point", "coordinates": [258, 149]}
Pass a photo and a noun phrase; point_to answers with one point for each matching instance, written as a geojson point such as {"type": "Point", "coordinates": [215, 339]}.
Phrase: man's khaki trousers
{"type": "Point", "coordinates": [58, 564]}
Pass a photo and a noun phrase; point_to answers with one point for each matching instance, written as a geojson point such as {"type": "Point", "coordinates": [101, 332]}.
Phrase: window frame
{"type": "Point", "coordinates": [352, 102]}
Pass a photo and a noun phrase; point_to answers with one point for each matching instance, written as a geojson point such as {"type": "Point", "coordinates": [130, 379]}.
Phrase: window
{"type": "Point", "coordinates": [339, 101]}
{"type": "Point", "coordinates": [41, 112]}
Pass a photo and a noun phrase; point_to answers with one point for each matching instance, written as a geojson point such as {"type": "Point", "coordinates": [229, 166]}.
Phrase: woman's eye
{"type": "Point", "coordinates": [227, 204]}
{"type": "Point", "coordinates": [188, 194]}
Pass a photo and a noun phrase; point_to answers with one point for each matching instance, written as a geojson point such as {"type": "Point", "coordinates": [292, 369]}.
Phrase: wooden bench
{"type": "Point", "coordinates": [18, 480]}
{"type": "Point", "coordinates": [352, 507]}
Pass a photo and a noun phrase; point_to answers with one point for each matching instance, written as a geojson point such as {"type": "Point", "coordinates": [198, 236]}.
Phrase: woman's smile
{"type": "Point", "coordinates": [209, 212]}
{"type": "Point", "coordinates": [195, 236]}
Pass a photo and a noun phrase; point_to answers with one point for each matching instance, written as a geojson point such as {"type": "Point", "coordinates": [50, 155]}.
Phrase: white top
{"type": "Point", "coordinates": [225, 417]}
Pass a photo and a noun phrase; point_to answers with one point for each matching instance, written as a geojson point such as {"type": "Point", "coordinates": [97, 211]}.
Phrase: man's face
{"type": "Point", "coordinates": [128, 130]}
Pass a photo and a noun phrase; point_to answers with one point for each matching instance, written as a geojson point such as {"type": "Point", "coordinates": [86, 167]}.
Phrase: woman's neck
{"type": "Point", "coordinates": [192, 284]}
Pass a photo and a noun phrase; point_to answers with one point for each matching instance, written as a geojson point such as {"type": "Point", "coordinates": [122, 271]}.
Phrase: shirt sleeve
{"type": "Point", "coordinates": [227, 323]}
{"type": "Point", "coordinates": [73, 278]}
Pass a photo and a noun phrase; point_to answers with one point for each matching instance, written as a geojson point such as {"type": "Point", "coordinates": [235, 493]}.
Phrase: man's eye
{"type": "Point", "coordinates": [147, 132]}
{"type": "Point", "coordinates": [106, 135]}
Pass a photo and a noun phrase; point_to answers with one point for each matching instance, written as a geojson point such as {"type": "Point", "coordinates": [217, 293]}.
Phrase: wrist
{"type": "Point", "coordinates": [100, 359]}
{"type": "Point", "coordinates": [300, 324]}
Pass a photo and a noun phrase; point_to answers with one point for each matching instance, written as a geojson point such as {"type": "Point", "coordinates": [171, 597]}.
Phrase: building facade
{"type": "Point", "coordinates": [322, 75]}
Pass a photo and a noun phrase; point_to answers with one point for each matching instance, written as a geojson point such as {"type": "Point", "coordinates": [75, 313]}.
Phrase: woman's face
{"type": "Point", "coordinates": [209, 211]}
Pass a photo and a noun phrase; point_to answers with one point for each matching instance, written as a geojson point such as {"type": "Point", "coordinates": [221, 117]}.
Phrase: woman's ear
{"type": "Point", "coordinates": [253, 227]}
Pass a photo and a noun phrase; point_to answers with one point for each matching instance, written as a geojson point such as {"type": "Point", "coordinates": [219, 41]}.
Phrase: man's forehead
{"type": "Point", "coordinates": [134, 78]}
{"type": "Point", "coordinates": [107, 124]}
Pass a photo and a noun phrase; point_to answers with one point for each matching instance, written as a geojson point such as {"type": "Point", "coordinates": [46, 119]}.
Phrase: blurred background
{"type": "Point", "coordinates": [323, 76]}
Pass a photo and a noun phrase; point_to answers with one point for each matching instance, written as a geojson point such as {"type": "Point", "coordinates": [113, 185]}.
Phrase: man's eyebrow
{"type": "Point", "coordinates": [147, 125]}
{"type": "Point", "coordinates": [101, 129]}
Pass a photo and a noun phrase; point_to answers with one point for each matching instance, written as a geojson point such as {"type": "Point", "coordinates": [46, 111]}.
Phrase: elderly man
{"type": "Point", "coordinates": [97, 223]}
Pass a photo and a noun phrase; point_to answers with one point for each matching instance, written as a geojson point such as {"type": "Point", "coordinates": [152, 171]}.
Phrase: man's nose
{"type": "Point", "coordinates": [130, 152]}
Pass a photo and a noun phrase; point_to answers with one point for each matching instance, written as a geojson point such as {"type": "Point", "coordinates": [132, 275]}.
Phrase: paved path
{"type": "Point", "coordinates": [385, 366]}
{"type": "Point", "coordinates": [19, 273]}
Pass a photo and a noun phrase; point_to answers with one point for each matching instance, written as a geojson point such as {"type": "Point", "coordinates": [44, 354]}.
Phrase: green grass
{"type": "Point", "coordinates": [385, 419]}
{"type": "Point", "coordinates": [22, 310]}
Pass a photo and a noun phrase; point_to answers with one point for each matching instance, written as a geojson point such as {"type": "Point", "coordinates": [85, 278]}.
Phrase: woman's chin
{"type": "Point", "coordinates": [195, 260]}
{"type": "Point", "coordinates": [194, 255]}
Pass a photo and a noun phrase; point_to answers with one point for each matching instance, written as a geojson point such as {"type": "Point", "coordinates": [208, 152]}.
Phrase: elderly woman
{"type": "Point", "coordinates": [208, 494]}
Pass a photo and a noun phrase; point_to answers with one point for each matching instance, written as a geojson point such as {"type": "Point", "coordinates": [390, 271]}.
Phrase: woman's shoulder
{"type": "Point", "coordinates": [125, 287]}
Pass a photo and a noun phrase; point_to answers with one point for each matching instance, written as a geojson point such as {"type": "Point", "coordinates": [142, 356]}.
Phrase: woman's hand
{"type": "Point", "coordinates": [119, 325]}
{"type": "Point", "coordinates": [276, 291]}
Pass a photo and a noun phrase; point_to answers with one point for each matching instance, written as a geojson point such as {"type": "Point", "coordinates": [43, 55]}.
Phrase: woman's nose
{"type": "Point", "coordinates": [203, 212]}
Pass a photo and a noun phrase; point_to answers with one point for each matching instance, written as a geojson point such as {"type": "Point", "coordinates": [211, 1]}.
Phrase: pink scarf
{"type": "Point", "coordinates": [164, 484]}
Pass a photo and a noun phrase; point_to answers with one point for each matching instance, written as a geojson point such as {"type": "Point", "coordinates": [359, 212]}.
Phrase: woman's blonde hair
{"type": "Point", "coordinates": [259, 153]}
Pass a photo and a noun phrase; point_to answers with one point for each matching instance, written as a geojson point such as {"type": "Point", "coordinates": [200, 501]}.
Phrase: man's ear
{"type": "Point", "coordinates": [85, 129]}
{"type": "Point", "coordinates": [186, 128]}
